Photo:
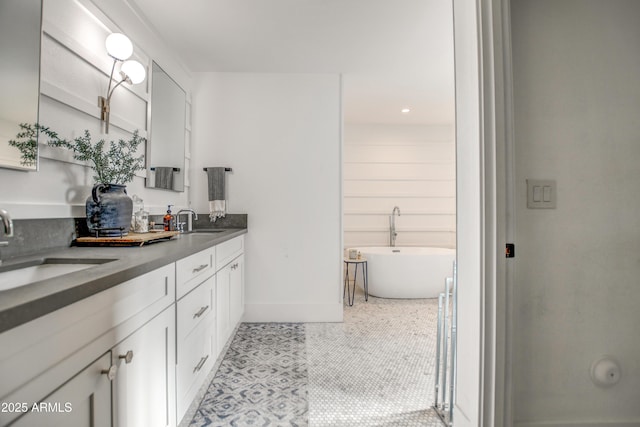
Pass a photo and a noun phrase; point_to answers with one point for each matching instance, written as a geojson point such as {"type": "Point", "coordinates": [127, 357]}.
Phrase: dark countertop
{"type": "Point", "coordinates": [22, 304]}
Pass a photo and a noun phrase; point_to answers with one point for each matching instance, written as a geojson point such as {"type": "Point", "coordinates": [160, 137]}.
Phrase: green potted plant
{"type": "Point", "coordinates": [108, 208]}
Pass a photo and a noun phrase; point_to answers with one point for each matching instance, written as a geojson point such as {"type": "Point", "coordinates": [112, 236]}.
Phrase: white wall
{"type": "Point", "coordinates": [409, 166]}
{"type": "Point", "coordinates": [281, 134]}
{"type": "Point", "coordinates": [74, 71]}
{"type": "Point", "coordinates": [577, 109]}
{"type": "Point", "coordinates": [469, 207]}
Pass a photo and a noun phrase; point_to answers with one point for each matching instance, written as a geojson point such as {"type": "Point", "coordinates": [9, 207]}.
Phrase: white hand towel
{"type": "Point", "coordinates": [217, 209]}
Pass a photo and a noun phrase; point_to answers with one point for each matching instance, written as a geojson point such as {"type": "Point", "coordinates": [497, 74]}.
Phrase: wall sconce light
{"type": "Point", "coordinates": [120, 48]}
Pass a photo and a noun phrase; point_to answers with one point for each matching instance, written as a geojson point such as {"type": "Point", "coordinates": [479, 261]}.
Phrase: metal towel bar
{"type": "Point", "coordinates": [153, 168]}
{"type": "Point", "coordinates": [445, 376]}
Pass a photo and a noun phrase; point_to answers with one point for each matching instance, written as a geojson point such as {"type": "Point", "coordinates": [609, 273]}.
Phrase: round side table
{"type": "Point", "coordinates": [347, 285]}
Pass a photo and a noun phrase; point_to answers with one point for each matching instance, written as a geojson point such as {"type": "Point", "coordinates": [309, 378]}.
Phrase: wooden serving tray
{"type": "Point", "coordinates": [131, 239]}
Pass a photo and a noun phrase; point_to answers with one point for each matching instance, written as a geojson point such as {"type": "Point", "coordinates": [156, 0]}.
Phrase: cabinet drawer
{"type": "Point", "coordinates": [194, 307]}
{"type": "Point", "coordinates": [194, 362]}
{"type": "Point", "coordinates": [192, 270]}
{"type": "Point", "coordinates": [227, 251]}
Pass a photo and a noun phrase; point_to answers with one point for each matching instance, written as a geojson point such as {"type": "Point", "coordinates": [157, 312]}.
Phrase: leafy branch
{"type": "Point", "coordinates": [117, 165]}
{"type": "Point", "coordinates": [27, 142]}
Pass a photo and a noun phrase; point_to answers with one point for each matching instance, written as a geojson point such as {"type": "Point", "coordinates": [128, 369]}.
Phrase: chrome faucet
{"type": "Point", "coordinates": [7, 222]}
{"type": "Point", "coordinates": [392, 226]}
{"type": "Point", "coordinates": [189, 222]}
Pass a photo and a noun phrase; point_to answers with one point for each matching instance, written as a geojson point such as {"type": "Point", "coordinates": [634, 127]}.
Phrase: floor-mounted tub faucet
{"type": "Point", "coordinates": [392, 226]}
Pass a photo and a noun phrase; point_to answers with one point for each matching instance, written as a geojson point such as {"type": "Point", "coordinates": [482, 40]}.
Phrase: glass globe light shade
{"type": "Point", "coordinates": [134, 71]}
{"type": "Point", "coordinates": [119, 46]}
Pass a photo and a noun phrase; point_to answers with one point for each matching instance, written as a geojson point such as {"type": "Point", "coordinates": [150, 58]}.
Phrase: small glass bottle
{"type": "Point", "coordinates": [168, 220]}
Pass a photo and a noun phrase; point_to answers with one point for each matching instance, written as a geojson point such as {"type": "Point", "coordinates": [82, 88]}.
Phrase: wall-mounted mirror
{"type": "Point", "coordinates": [166, 144]}
{"type": "Point", "coordinates": [20, 29]}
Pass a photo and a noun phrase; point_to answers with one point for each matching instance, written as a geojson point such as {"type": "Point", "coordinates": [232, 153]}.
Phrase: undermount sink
{"type": "Point", "coordinates": [16, 275]}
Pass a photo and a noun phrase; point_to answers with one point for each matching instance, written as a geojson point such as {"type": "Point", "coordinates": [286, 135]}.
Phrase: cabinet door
{"type": "Point", "coordinates": [144, 387]}
{"type": "Point", "coordinates": [84, 401]}
{"type": "Point", "coordinates": [223, 315]}
{"type": "Point", "coordinates": [236, 290]}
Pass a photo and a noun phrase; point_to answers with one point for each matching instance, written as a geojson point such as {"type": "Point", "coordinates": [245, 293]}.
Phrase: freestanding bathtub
{"type": "Point", "coordinates": [407, 272]}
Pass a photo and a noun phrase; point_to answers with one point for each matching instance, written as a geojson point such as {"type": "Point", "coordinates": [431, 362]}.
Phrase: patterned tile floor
{"type": "Point", "coordinates": [262, 380]}
{"type": "Point", "coordinates": [375, 369]}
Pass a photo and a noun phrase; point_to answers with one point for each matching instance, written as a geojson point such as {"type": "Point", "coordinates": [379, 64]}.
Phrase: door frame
{"type": "Point", "coordinates": [496, 196]}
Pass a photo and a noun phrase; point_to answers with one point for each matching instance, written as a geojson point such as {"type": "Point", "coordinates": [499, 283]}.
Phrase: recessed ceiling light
{"type": "Point", "coordinates": [405, 110]}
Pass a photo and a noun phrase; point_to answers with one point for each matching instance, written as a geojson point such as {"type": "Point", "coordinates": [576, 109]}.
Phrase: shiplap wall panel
{"type": "Point", "coordinates": [71, 123]}
{"type": "Point", "coordinates": [75, 70]}
{"type": "Point", "coordinates": [431, 152]}
{"type": "Point", "coordinates": [441, 239]}
{"type": "Point", "coordinates": [412, 167]}
{"type": "Point", "coordinates": [403, 223]}
{"type": "Point", "coordinates": [398, 171]}
{"type": "Point", "coordinates": [384, 205]}
{"type": "Point", "coordinates": [399, 188]}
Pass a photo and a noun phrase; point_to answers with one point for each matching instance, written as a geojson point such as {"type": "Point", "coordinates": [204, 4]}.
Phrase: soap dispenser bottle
{"type": "Point", "coordinates": [168, 220]}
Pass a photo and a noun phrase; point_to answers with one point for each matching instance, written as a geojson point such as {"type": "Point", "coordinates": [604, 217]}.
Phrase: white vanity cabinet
{"type": "Point", "coordinates": [207, 314]}
{"type": "Point", "coordinates": [61, 355]}
{"type": "Point", "coordinates": [136, 354]}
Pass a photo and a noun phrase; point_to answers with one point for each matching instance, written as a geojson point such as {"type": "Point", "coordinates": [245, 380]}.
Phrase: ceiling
{"type": "Point", "coordinates": [392, 53]}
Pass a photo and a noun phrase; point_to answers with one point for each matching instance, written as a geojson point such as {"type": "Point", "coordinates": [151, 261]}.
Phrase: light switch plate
{"type": "Point", "coordinates": [541, 194]}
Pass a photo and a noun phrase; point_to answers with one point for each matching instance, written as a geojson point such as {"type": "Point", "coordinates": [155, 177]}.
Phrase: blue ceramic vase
{"type": "Point", "coordinates": [109, 210]}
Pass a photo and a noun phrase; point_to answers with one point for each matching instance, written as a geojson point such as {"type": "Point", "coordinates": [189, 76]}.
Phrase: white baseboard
{"type": "Point", "coordinates": [293, 313]}
{"type": "Point", "coordinates": [578, 424]}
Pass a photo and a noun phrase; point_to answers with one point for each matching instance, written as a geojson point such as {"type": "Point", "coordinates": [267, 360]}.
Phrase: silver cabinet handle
{"type": "Point", "coordinates": [128, 357]}
{"type": "Point", "coordinates": [200, 364]}
{"type": "Point", "coordinates": [110, 373]}
{"type": "Point", "coordinates": [200, 312]}
{"type": "Point", "coordinates": [202, 267]}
